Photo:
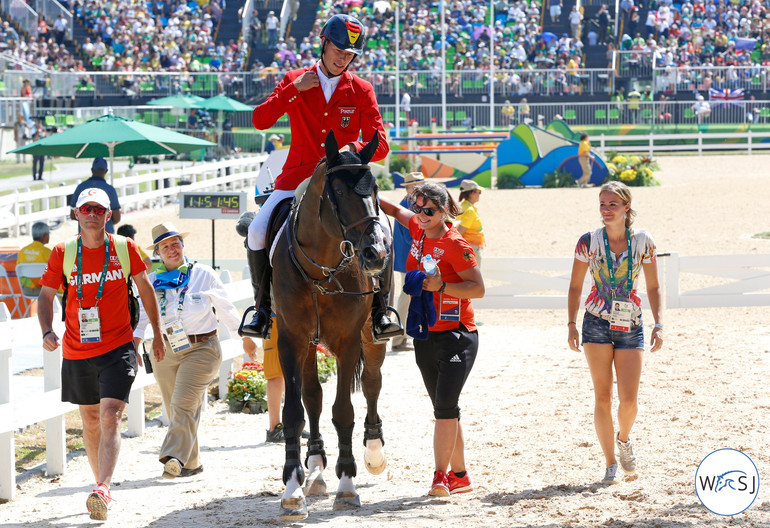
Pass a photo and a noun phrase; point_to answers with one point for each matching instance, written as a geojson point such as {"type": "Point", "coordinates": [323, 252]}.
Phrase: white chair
{"type": "Point", "coordinates": [16, 309]}
{"type": "Point", "coordinates": [31, 270]}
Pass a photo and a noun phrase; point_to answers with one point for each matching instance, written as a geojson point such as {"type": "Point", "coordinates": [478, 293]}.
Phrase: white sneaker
{"type": "Point", "coordinates": [627, 458]}
{"type": "Point", "coordinates": [611, 475]}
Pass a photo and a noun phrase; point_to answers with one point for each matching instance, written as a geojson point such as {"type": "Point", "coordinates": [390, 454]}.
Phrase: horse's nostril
{"type": "Point", "coordinates": [370, 254]}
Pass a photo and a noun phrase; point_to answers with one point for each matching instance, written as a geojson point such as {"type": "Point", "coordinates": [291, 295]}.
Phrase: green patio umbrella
{"type": "Point", "coordinates": [178, 101]}
{"type": "Point", "coordinates": [110, 136]}
{"type": "Point", "coordinates": [222, 103]}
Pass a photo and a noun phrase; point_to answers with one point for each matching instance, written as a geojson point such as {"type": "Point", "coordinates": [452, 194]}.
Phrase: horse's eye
{"type": "Point", "coordinates": [339, 192]}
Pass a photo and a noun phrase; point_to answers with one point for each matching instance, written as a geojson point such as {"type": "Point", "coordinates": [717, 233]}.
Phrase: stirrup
{"type": "Point", "coordinates": [245, 331]}
{"type": "Point", "coordinates": [382, 338]}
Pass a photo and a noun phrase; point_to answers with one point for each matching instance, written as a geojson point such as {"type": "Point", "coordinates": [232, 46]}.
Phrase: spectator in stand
{"type": "Point", "coordinates": [575, 17]}
{"type": "Point", "coordinates": [60, 29]}
{"type": "Point", "coordinates": [603, 17]}
{"type": "Point", "coordinates": [555, 10]}
{"type": "Point", "coordinates": [271, 24]}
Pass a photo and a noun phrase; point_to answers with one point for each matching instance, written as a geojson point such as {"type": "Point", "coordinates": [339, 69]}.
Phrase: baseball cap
{"type": "Point", "coordinates": [413, 177]}
{"type": "Point", "coordinates": [99, 165]}
{"type": "Point", "coordinates": [470, 185]}
{"type": "Point", "coordinates": [94, 194]}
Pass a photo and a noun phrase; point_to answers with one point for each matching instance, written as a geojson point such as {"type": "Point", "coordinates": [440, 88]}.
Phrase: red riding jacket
{"type": "Point", "coordinates": [352, 112]}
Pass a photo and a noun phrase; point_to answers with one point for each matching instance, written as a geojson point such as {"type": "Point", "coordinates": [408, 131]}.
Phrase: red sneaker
{"type": "Point", "coordinates": [440, 487]}
{"type": "Point", "coordinates": [98, 502]}
{"type": "Point", "coordinates": [459, 484]}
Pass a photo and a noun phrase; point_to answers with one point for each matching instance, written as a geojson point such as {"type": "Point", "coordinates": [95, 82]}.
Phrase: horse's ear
{"type": "Point", "coordinates": [332, 150]}
{"type": "Point", "coordinates": [367, 153]}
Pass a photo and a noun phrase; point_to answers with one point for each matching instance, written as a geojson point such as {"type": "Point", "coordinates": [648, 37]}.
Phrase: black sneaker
{"type": "Point", "coordinates": [276, 435]}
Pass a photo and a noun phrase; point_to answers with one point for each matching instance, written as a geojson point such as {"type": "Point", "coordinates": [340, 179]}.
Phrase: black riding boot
{"type": "Point", "coordinates": [382, 327]}
{"type": "Point", "coordinates": [259, 267]}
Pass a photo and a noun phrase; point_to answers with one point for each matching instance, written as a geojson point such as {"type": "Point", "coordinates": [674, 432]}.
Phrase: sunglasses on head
{"type": "Point", "coordinates": [427, 211]}
{"type": "Point", "coordinates": [88, 209]}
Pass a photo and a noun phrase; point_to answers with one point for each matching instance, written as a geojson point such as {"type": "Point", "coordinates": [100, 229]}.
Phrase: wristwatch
{"type": "Point", "coordinates": [443, 287]}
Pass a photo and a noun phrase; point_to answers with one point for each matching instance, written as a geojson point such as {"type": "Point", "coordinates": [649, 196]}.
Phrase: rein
{"type": "Point", "coordinates": [330, 285]}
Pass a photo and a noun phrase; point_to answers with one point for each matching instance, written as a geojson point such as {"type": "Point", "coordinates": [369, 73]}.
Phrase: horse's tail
{"type": "Point", "coordinates": [355, 384]}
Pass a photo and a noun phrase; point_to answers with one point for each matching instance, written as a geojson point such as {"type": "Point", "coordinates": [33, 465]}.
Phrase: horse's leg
{"type": "Point", "coordinates": [292, 350]}
{"type": "Point", "coordinates": [371, 384]}
{"type": "Point", "coordinates": [312, 396]}
{"type": "Point", "coordinates": [349, 353]}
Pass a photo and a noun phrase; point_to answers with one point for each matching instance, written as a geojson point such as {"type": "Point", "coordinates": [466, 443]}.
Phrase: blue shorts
{"type": "Point", "coordinates": [596, 331]}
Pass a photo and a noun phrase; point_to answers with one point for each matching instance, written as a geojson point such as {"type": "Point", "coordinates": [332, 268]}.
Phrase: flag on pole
{"type": "Point", "coordinates": [727, 96]}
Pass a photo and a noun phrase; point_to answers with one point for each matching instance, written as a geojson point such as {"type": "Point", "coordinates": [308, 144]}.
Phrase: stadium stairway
{"type": "Point", "coordinates": [230, 24]}
{"type": "Point", "coordinates": [562, 26]}
{"type": "Point", "coordinates": [298, 28]}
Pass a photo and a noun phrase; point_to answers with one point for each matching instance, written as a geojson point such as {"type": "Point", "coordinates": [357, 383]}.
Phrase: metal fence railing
{"type": "Point", "coordinates": [701, 79]}
{"type": "Point", "coordinates": [21, 14]}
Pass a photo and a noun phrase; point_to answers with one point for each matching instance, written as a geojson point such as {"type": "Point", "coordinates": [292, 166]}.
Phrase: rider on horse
{"type": "Point", "coordinates": [322, 98]}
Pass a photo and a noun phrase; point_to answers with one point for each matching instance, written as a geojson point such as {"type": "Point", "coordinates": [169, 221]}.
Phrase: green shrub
{"type": "Point", "coordinates": [385, 182]}
{"type": "Point", "coordinates": [400, 164]}
{"type": "Point", "coordinates": [509, 181]}
{"type": "Point", "coordinates": [558, 178]}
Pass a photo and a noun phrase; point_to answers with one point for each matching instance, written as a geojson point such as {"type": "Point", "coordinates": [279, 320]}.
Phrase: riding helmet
{"type": "Point", "coordinates": [345, 32]}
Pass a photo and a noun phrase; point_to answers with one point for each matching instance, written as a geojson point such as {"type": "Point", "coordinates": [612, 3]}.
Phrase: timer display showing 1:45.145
{"type": "Point", "coordinates": [216, 201]}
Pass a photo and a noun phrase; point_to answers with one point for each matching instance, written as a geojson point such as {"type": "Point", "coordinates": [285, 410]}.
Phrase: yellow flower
{"type": "Point", "coordinates": [619, 160]}
{"type": "Point", "coordinates": [612, 168]}
{"type": "Point", "coordinates": [634, 159]}
{"type": "Point", "coordinates": [628, 175]}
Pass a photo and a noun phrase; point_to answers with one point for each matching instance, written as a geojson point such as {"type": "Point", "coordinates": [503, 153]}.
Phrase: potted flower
{"type": "Point", "coordinates": [634, 171]}
{"type": "Point", "coordinates": [326, 363]}
{"type": "Point", "coordinates": [246, 390]}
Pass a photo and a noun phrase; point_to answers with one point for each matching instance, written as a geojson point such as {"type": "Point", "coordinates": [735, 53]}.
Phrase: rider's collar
{"type": "Point", "coordinates": [328, 85]}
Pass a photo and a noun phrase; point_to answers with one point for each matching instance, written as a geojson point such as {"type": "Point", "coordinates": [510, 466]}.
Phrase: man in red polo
{"type": "Point", "coordinates": [99, 363]}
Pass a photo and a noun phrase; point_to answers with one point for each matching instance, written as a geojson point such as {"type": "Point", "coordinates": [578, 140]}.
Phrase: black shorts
{"type": "Point", "coordinates": [445, 360]}
{"type": "Point", "coordinates": [87, 381]}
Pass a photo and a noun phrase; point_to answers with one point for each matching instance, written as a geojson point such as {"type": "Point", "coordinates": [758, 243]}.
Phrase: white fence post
{"type": "Point", "coordinates": [7, 447]}
{"type": "Point", "coordinates": [672, 280]}
{"type": "Point", "coordinates": [55, 432]}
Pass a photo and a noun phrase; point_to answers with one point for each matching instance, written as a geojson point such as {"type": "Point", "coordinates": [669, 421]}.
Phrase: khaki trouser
{"type": "Point", "coordinates": [183, 379]}
{"type": "Point", "coordinates": [585, 164]}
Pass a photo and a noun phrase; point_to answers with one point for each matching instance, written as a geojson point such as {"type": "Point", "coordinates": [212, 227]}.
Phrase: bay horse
{"type": "Point", "coordinates": [324, 266]}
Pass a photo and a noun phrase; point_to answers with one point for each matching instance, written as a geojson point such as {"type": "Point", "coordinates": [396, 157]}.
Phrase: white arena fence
{"type": "Point", "coordinates": [512, 283]}
{"type": "Point", "coordinates": [153, 188]}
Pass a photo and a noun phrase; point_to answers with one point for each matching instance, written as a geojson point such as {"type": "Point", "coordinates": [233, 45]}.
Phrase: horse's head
{"type": "Point", "coordinates": [352, 191]}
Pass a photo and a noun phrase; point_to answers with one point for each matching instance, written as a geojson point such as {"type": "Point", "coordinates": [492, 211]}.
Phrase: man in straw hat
{"type": "Point", "coordinates": [402, 241]}
{"type": "Point", "coordinates": [100, 362]}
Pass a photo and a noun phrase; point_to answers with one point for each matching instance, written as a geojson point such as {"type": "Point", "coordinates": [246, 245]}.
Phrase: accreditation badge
{"type": "Point", "coordinates": [90, 326]}
{"type": "Point", "coordinates": [449, 307]}
{"type": "Point", "coordinates": [621, 313]}
{"type": "Point", "coordinates": [177, 337]}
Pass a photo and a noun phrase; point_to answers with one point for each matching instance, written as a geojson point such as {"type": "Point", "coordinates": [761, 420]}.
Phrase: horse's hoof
{"type": "Point", "coordinates": [315, 487]}
{"type": "Point", "coordinates": [293, 509]}
{"type": "Point", "coordinates": [347, 500]}
{"type": "Point", "coordinates": [375, 469]}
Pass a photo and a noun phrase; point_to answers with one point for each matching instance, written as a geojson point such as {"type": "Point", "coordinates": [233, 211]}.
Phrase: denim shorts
{"type": "Point", "coordinates": [596, 331]}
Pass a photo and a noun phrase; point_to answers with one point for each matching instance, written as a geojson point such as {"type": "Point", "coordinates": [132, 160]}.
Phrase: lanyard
{"type": "Point", "coordinates": [180, 301]}
{"type": "Point", "coordinates": [629, 281]}
{"type": "Point", "coordinates": [103, 276]}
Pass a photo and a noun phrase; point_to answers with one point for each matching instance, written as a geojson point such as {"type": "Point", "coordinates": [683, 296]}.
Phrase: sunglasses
{"type": "Point", "coordinates": [427, 211]}
{"type": "Point", "coordinates": [88, 209]}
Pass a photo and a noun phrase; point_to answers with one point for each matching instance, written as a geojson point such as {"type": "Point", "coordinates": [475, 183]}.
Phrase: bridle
{"type": "Point", "coordinates": [330, 285]}
{"type": "Point", "coordinates": [346, 246]}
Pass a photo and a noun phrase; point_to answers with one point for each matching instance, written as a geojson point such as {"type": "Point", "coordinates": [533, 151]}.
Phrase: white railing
{"type": "Point", "coordinates": [534, 283]}
{"type": "Point", "coordinates": [23, 410]}
{"type": "Point", "coordinates": [652, 143]}
{"type": "Point", "coordinates": [25, 207]}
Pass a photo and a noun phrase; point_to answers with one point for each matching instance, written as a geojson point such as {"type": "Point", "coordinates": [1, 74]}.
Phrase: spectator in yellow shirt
{"type": "Point", "coordinates": [584, 158]}
{"type": "Point", "coordinates": [469, 222]}
{"type": "Point", "coordinates": [36, 252]}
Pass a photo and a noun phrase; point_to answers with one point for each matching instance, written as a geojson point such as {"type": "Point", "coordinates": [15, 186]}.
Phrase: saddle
{"type": "Point", "coordinates": [277, 221]}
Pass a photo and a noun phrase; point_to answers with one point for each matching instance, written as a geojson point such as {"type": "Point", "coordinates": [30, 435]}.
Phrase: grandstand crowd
{"type": "Point", "coordinates": [174, 36]}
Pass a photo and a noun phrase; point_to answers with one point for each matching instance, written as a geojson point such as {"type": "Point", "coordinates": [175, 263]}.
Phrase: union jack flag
{"type": "Point", "coordinates": [727, 97]}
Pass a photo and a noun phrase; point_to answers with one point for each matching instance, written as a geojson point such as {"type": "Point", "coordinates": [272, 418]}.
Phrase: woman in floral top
{"type": "Point", "coordinates": [613, 333]}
